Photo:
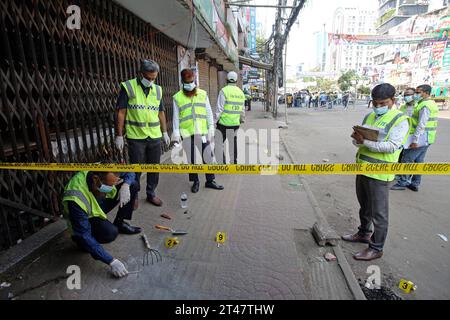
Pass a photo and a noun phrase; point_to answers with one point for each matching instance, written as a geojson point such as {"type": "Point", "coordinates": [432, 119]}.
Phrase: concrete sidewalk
{"type": "Point", "coordinates": [269, 253]}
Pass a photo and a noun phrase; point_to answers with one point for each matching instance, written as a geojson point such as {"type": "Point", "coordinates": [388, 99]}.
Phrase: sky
{"type": "Point", "coordinates": [302, 45]}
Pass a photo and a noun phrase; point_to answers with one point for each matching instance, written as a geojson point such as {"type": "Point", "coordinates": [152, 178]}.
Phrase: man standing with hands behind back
{"type": "Point", "coordinates": [372, 190]}
{"type": "Point", "coordinates": [424, 120]}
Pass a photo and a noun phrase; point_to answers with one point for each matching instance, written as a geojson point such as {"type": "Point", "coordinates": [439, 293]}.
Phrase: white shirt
{"type": "Point", "coordinates": [424, 116]}
{"type": "Point", "coordinates": [221, 103]}
{"type": "Point", "coordinates": [176, 117]}
{"type": "Point", "coordinates": [394, 143]}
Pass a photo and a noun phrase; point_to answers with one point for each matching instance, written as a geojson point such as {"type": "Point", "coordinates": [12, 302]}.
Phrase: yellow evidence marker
{"type": "Point", "coordinates": [171, 242]}
{"type": "Point", "coordinates": [407, 286]}
{"type": "Point", "coordinates": [220, 238]}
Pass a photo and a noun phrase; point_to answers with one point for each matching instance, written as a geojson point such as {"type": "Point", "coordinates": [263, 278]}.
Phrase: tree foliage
{"type": "Point", "coordinates": [345, 80]}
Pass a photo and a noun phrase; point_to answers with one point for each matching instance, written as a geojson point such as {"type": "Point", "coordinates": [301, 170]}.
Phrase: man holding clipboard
{"type": "Point", "coordinates": [379, 140]}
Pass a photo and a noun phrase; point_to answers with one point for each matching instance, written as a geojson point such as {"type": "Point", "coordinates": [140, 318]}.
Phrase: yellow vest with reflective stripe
{"type": "Point", "coordinates": [431, 127]}
{"type": "Point", "coordinates": [385, 123]}
{"type": "Point", "coordinates": [77, 190]}
{"type": "Point", "coordinates": [233, 107]}
{"type": "Point", "coordinates": [142, 119]}
{"type": "Point", "coordinates": [192, 113]}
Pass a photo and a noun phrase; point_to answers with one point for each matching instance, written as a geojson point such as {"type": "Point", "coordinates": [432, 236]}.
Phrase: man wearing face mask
{"type": "Point", "coordinates": [88, 198]}
{"type": "Point", "coordinates": [424, 119]}
{"type": "Point", "coordinates": [140, 114]}
{"type": "Point", "coordinates": [372, 190]}
{"type": "Point", "coordinates": [193, 121]}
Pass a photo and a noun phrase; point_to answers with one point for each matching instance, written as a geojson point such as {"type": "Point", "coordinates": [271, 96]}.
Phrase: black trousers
{"type": "Point", "coordinates": [228, 133]}
{"type": "Point", "coordinates": [146, 151]}
{"type": "Point", "coordinates": [103, 230]}
{"type": "Point", "coordinates": [191, 146]}
{"type": "Point", "coordinates": [373, 198]}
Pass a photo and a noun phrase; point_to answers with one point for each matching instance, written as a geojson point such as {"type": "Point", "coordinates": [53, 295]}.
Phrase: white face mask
{"type": "Point", "coordinates": [147, 83]}
{"type": "Point", "coordinates": [189, 86]}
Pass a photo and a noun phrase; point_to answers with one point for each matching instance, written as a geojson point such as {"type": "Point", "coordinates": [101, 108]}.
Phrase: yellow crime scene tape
{"type": "Point", "coordinates": [280, 169]}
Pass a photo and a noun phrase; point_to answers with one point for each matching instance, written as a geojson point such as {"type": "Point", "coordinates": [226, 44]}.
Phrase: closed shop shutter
{"type": "Point", "coordinates": [203, 75]}
{"type": "Point", "coordinates": [213, 87]}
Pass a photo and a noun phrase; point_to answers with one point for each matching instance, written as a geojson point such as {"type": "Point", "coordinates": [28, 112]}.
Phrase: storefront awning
{"type": "Point", "coordinates": [255, 64]}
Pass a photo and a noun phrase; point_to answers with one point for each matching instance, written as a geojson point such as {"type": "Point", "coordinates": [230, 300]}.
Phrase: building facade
{"type": "Point", "coordinates": [393, 12]}
{"type": "Point", "coordinates": [347, 56]}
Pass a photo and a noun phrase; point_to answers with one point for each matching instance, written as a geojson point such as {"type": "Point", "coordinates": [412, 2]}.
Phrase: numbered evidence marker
{"type": "Point", "coordinates": [171, 242]}
{"type": "Point", "coordinates": [407, 286]}
{"type": "Point", "coordinates": [221, 237]}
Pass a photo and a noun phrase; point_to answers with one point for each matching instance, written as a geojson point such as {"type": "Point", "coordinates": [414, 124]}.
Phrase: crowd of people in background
{"type": "Point", "coordinates": [307, 99]}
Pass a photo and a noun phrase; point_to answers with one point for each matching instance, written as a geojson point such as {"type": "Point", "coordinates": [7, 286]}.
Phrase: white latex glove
{"type": "Point", "coordinates": [120, 143]}
{"type": "Point", "coordinates": [166, 138]}
{"type": "Point", "coordinates": [118, 269]}
{"type": "Point", "coordinates": [124, 195]}
{"type": "Point", "coordinates": [211, 134]}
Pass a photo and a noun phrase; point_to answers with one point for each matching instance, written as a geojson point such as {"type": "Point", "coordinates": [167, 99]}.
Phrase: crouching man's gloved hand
{"type": "Point", "coordinates": [124, 195]}
{"type": "Point", "coordinates": [118, 269]}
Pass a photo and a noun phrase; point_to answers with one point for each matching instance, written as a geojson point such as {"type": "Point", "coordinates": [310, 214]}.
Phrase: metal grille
{"type": "Point", "coordinates": [58, 93]}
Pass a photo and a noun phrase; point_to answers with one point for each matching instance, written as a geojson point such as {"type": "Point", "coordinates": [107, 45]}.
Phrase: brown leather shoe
{"type": "Point", "coordinates": [155, 201]}
{"type": "Point", "coordinates": [357, 238]}
{"type": "Point", "coordinates": [368, 254]}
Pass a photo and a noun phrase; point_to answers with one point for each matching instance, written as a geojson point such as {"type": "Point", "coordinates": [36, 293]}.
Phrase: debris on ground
{"type": "Point", "coordinates": [166, 216]}
{"type": "Point", "coordinates": [295, 184]}
{"type": "Point", "coordinates": [405, 238]}
{"type": "Point", "coordinates": [186, 212]}
{"type": "Point", "coordinates": [10, 295]}
{"type": "Point", "coordinates": [383, 293]}
{"type": "Point", "coordinates": [280, 157]}
{"type": "Point", "coordinates": [114, 290]}
{"type": "Point", "coordinates": [19, 241]}
{"type": "Point", "coordinates": [443, 237]}
{"type": "Point", "coordinates": [330, 257]}
{"type": "Point", "coordinates": [325, 160]}
{"type": "Point", "coordinates": [5, 285]}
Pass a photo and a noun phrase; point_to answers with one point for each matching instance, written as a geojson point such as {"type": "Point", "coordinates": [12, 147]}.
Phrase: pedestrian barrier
{"type": "Point", "coordinates": [280, 169]}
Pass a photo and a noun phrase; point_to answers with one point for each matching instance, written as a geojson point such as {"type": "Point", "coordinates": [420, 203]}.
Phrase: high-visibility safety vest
{"type": "Point", "coordinates": [412, 123]}
{"type": "Point", "coordinates": [77, 190]}
{"type": "Point", "coordinates": [431, 127]}
{"type": "Point", "coordinates": [192, 113]}
{"type": "Point", "coordinates": [233, 107]}
{"type": "Point", "coordinates": [385, 124]}
{"type": "Point", "coordinates": [142, 119]}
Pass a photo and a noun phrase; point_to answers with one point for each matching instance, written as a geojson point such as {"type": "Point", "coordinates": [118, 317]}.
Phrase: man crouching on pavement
{"type": "Point", "coordinates": [88, 197]}
{"type": "Point", "coordinates": [372, 190]}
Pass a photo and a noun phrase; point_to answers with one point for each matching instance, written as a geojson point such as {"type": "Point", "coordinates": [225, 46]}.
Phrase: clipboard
{"type": "Point", "coordinates": [368, 134]}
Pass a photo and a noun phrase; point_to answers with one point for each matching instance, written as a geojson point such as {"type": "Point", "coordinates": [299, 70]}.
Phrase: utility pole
{"type": "Point", "coordinates": [280, 40]}
{"type": "Point", "coordinates": [284, 82]}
